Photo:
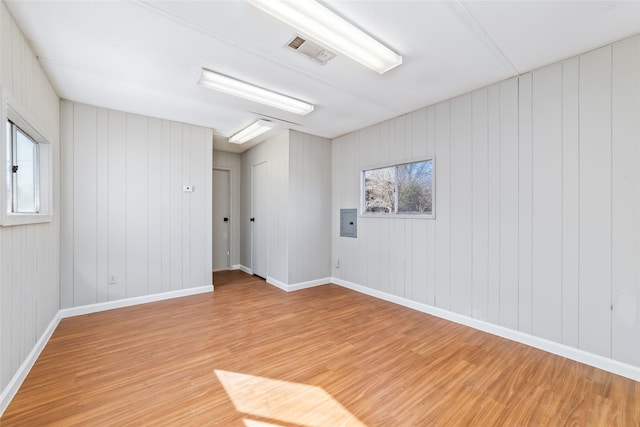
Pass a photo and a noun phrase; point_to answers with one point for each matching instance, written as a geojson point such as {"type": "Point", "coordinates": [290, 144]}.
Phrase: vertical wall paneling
{"type": "Point", "coordinates": [625, 194]}
{"type": "Point", "coordinates": [370, 143]}
{"type": "Point", "coordinates": [309, 170]}
{"type": "Point", "coordinates": [6, 314]}
{"type": "Point", "coordinates": [6, 70]}
{"type": "Point", "coordinates": [17, 337]}
{"type": "Point", "coordinates": [443, 205]}
{"type": "Point", "coordinates": [176, 200]}
{"type": "Point", "coordinates": [570, 202]}
{"type": "Point", "coordinates": [136, 202]}
{"type": "Point", "coordinates": [274, 151]}
{"type": "Point", "coordinates": [102, 205]}
{"type": "Point", "coordinates": [201, 211]}
{"type": "Point", "coordinates": [493, 247]}
{"type": "Point", "coordinates": [509, 203]}
{"type": "Point", "coordinates": [245, 209]}
{"type": "Point", "coordinates": [480, 207]}
{"type": "Point", "coordinates": [327, 208]}
{"type": "Point", "coordinates": [398, 274]}
{"type": "Point", "coordinates": [461, 205]}
{"type": "Point", "coordinates": [125, 176]}
{"type": "Point", "coordinates": [166, 205]}
{"type": "Point", "coordinates": [595, 201]}
{"type": "Point", "coordinates": [397, 258]}
{"type": "Point", "coordinates": [186, 205]}
{"type": "Point", "coordinates": [417, 286]}
{"type": "Point", "coordinates": [117, 203]}
{"type": "Point", "coordinates": [543, 216]}
{"type": "Point", "coordinates": [278, 234]}
{"type": "Point", "coordinates": [296, 177]}
{"type": "Point", "coordinates": [525, 197]}
{"type": "Point", "coordinates": [84, 206]}
{"type": "Point", "coordinates": [547, 202]}
{"type": "Point", "coordinates": [67, 234]}
{"type": "Point", "coordinates": [430, 242]}
{"type": "Point", "coordinates": [154, 207]}
{"type": "Point", "coordinates": [30, 264]}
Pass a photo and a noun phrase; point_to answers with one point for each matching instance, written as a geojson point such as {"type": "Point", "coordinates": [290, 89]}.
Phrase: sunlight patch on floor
{"type": "Point", "coordinates": [283, 402]}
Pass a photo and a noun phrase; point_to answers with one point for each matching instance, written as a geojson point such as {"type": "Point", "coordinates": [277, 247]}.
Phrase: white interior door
{"type": "Point", "coordinates": [221, 219]}
{"type": "Point", "coordinates": [259, 218]}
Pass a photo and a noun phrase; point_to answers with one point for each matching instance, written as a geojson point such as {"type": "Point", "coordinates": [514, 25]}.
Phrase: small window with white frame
{"type": "Point", "coordinates": [22, 156]}
{"type": "Point", "coordinates": [26, 179]}
{"type": "Point", "coordinates": [401, 189]}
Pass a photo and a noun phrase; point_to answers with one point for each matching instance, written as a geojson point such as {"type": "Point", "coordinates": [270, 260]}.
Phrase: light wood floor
{"type": "Point", "coordinates": [251, 355]}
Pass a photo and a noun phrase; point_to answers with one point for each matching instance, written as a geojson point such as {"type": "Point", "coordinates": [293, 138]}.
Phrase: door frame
{"type": "Point", "coordinates": [230, 205]}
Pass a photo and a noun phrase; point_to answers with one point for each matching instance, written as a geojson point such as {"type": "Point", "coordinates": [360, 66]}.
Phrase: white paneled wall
{"type": "Point", "coordinates": [309, 213]}
{"type": "Point", "coordinates": [29, 254]}
{"type": "Point", "coordinates": [275, 152]}
{"type": "Point", "coordinates": [298, 237]}
{"type": "Point", "coordinates": [125, 216]}
{"type": "Point", "coordinates": [232, 163]}
{"type": "Point", "coordinates": [537, 224]}
{"type": "Point", "coordinates": [625, 201]}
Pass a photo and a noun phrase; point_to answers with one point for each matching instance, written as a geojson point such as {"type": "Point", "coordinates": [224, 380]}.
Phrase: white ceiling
{"type": "Point", "coordinates": [145, 57]}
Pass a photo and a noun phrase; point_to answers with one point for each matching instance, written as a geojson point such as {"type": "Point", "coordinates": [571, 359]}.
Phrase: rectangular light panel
{"type": "Point", "coordinates": [222, 83]}
{"type": "Point", "coordinates": [334, 32]}
{"type": "Point", "coordinates": [253, 130]}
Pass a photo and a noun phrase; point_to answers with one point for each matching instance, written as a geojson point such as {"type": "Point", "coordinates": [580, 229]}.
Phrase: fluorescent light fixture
{"type": "Point", "coordinates": [220, 82]}
{"type": "Point", "coordinates": [334, 32]}
{"type": "Point", "coordinates": [253, 130]}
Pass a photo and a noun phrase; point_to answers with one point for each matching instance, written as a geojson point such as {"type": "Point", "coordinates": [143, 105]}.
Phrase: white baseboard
{"type": "Point", "coordinates": [110, 305]}
{"type": "Point", "coordinates": [235, 267]}
{"type": "Point", "coordinates": [297, 286]}
{"type": "Point", "coordinates": [243, 268]}
{"type": "Point", "coordinates": [604, 363]}
{"type": "Point", "coordinates": [14, 385]}
{"type": "Point", "coordinates": [309, 284]}
{"type": "Point", "coordinates": [277, 283]}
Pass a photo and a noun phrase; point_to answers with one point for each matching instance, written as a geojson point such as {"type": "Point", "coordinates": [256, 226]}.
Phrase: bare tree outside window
{"type": "Point", "coordinates": [401, 189]}
{"type": "Point", "coordinates": [380, 190]}
{"type": "Point", "coordinates": [415, 187]}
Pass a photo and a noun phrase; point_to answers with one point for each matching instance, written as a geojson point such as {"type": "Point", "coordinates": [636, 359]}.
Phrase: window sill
{"type": "Point", "coordinates": [25, 219]}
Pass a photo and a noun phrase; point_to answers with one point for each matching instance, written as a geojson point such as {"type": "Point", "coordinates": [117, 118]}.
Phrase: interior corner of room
{"type": "Point", "coordinates": [533, 227]}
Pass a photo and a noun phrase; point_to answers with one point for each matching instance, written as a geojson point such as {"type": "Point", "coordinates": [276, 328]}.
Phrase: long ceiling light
{"type": "Point", "coordinates": [220, 82]}
{"type": "Point", "coordinates": [253, 130]}
{"type": "Point", "coordinates": [334, 32]}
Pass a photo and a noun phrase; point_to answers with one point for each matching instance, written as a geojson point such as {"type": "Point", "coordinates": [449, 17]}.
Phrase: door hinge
{"type": "Point", "coordinates": [14, 168]}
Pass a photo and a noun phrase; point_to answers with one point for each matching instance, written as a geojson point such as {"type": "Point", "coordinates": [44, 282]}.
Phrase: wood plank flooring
{"type": "Point", "coordinates": [251, 355]}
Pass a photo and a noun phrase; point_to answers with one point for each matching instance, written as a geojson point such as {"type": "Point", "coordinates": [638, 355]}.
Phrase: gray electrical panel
{"type": "Point", "coordinates": [348, 222]}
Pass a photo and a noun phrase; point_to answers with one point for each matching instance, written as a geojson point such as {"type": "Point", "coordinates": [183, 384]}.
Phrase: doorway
{"type": "Point", "coordinates": [221, 219]}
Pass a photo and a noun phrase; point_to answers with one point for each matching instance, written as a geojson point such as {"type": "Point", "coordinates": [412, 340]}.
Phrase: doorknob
{"type": "Point", "coordinates": [226, 219]}
{"type": "Point", "coordinates": [252, 219]}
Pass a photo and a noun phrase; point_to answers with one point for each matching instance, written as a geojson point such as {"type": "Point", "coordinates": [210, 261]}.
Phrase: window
{"type": "Point", "coordinates": [404, 189]}
{"type": "Point", "coordinates": [26, 180]}
{"type": "Point", "coordinates": [22, 159]}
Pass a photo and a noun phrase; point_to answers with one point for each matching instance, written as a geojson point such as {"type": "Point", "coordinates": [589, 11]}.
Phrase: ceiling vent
{"type": "Point", "coordinates": [311, 50]}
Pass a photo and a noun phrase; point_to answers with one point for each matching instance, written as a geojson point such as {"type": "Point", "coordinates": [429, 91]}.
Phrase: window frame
{"type": "Point", "coordinates": [396, 214]}
{"type": "Point", "coordinates": [11, 111]}
{"type": "Point", "coordinates": [15, 130]}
